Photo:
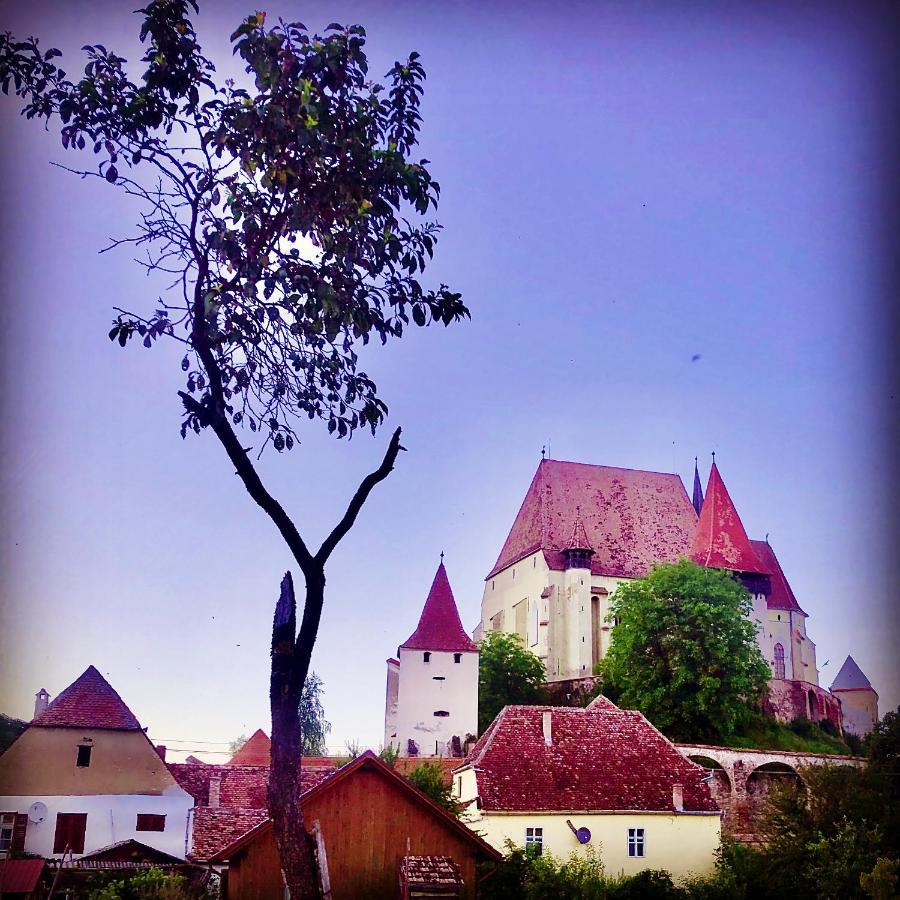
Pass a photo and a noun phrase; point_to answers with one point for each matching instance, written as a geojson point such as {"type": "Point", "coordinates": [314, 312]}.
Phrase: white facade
{"type": "Point", "coordinates": [110, 818]}
{"type": "Point", "coordinates": [436, 700]}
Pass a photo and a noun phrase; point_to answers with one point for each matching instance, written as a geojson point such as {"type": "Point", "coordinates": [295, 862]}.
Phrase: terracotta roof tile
{"type": "Point", "coordinates": [20, 876]}
{"type": "Point", "coordinates": [600, 758]}
{"type": "Point", "coordinates": [720, 540]}
{"type": "Point", "coordinates": [216, 828]}
{"type": "Point", "coordinates": [781, 595]}
{"type": "Point", "coordinates": [440, 872]}
{"type": "Point", "coordinates": [632, 518]}
{"type": "Point", "coordinates": [440, 627]}
{"type": "Point", "coordinates": [256, 751]}
{"type": "Point", "coordinates": [88, 702]}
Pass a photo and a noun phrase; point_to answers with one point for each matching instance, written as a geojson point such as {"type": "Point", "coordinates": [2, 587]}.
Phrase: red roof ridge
{"type": "Point", "coordinates": [440, 627]}
{"type": "Point", "coordinates": [90, 701]}
{"type": "Point", "coordinates": [782, 595]}
{"type": "Point", "coordinates": [720, 540]}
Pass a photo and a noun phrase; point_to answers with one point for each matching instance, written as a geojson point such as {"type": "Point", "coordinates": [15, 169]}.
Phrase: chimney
{"type": "Point", "coordinates": [215, 785]}
{"type": "Point", "coordinates": [548, 727]}
{"type": "Point", "coordinates": [41, 701]}
{"type": "Point", "coordinates": [678, 797]}
{"type": "Point", "coordinates": [161, 750]}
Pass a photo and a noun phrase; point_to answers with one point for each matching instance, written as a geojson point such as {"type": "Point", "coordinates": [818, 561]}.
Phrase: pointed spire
{"type": "Point", "coordinates": [720, 540]}
{"type": "Point", "coordinates": [697, 499]}
{"type": "Point", "coordinates": [440, 627]}
{"type": "Point", "coordinates": [851, 678]}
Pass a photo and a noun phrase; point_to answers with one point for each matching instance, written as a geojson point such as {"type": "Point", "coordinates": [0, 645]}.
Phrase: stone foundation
{"type": "Point", "coordinates": [789, 700]}
{"type": "Point", "coordinates": [571, 691]}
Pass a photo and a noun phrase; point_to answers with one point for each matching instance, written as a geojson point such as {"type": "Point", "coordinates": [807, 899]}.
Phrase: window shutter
{"type": "Point", "coordinates": [70, 829]}
{"type": "Point", "coordinates": [18, 835]}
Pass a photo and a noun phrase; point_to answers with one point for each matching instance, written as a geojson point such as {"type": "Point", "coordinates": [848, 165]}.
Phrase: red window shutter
{"type": "Point", "coordinates": [18, 835]}
{"type": "Point", "coordinates": [70, 829]}
{"type": "Point", "coordinates": [150, 822]}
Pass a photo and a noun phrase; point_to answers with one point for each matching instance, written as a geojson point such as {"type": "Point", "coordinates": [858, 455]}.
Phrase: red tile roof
{"type": "Point", "coordinates": [781, 595]}
{"type": "Point", "coordinates": [720, 540]}
{"type": "Point", "coordinates": [439, 626]}
{"type": "Point", "coordinates": [217, 827]}
{"type": "Point", "coordinates": [88, 702]}
{"type": "Point", "coordinates": [600, 758]}
{"type": "Point", "coordinates": [20, 876]}
{"type": "Point", "coordinates": [256, 751]}
{"type": "Point", "coordinates": [632, 518]}
{"type": "Point", "coordinates": [440, 873]}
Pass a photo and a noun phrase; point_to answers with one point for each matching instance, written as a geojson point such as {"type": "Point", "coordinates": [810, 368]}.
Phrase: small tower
{"type": "Point", "coordinates": [41, 701]}
{"type": "Point", "coordinates": [577, 603]}
{"type": "Point", "coordinates": [432, 687]}
{"type": "Point", "coordinates": [859, 702]}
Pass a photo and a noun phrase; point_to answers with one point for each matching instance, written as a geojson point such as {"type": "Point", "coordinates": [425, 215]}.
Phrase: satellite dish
{"type": "Point", "coordinates": [37, 812]}
{"type": "Point", "coordinates": [583, 835]}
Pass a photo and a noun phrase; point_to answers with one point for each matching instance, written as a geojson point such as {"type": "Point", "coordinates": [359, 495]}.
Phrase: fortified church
{"type": "Point", "coordinates": [581, 531]}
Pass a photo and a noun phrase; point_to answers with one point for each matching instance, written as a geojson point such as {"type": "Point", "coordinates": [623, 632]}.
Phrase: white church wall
{"type": "Point", "coordinates": [523, 582]}
{"type": "Point", "coordinates": [390, 703]}
{"type": "Point", "coordinates": [439, 685]}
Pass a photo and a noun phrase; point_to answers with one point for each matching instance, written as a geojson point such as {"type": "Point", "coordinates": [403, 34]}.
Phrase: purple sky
{"type": "Point", "coordinates": [625, 186]}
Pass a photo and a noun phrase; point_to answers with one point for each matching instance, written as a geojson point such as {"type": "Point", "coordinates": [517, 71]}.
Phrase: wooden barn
{"type": "Point", "coordinates": [366, 820]}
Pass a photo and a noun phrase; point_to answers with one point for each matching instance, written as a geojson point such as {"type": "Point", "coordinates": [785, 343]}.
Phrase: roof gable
{"type": "Point", "coordinates": [601, 758]}
{"type": "Point", "coordinates": [631, 518]}
{"type": "Point", "coordinates": [440, 627]}
{"type": "Point", "coordinates": [851, 678]}
{"type": "Point", "coordinates": [88, 702]}
{"type": "Point", "coordinates": [257, 751]}
{"type": "Point", "coordinates": [720, 541]}
{"type": "Point", "coordinates": [781, 596]}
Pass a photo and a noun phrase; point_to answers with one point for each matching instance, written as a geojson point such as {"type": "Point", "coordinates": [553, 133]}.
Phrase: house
{"type": "Point", "coordinates": [584, 529]}
{"type": "Point", "coordinates": [563, 779]}
{"type": "Point", "coordinates": [84, 775]}
{"type": "Point", "coordinates": [368, 820]}
{"type": "Point", "coordinates": [431, 705]}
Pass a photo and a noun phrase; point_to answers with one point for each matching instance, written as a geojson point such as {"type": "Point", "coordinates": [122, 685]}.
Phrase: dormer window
{"type": "Point", "coordinates": [84, 756]}
{"type": "Point", "coordinates": [426, 656]}
{"type": "Point", "coordinates": [457, 657]}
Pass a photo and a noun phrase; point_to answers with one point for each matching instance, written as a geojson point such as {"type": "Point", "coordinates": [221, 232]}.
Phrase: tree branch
{"type": "Point", "coordinates": [359, 498]}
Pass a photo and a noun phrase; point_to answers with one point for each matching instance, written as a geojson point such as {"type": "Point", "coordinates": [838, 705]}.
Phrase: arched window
{"type": "Point", "coordinates": [779, 661]}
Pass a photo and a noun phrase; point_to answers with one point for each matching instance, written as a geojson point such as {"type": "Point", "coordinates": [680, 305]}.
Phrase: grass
{"type": "Point", "coordinates": [801, 736]}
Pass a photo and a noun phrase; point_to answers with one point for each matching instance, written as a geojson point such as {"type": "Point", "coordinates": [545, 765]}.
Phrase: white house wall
{"type": "Point", "coordinates": [110, 818]}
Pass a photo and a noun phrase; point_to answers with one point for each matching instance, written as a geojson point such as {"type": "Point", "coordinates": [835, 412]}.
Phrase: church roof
{"type": "Point", "coordinates": [599, 758]}
{"type": "Point", "coordinates": [439, 625]}
{"type": "Point", "coordinates": [257, 751]}
{"type": "Point", "coordinates": [631, 518]}
{"type": "Point", "coordinates": [720, 540]}
{"type": "Point", "coordinates": [781, 596]}
{"type": "Point", "coordinates": [851, 678]}
{"type": "Point", "coordinates": [88, 702]}
{"type": "Point", "coordinates": [579, 539]}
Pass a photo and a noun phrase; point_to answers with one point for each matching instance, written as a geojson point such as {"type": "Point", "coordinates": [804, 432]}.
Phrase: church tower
{"type": "Point", "coordinates": [432, 687]}
{"type": "Point", "coordinates": [859, 702]}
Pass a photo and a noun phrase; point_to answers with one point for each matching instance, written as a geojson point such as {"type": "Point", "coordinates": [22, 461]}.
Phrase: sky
{"type": "Point", "coordinates": [671, 225]}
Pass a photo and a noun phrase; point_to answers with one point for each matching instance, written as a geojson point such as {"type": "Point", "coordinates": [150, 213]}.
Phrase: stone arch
{"type": "Point", "coordinates": [761, 780]}
{"type": "Point", "coordinates": [719, 779]}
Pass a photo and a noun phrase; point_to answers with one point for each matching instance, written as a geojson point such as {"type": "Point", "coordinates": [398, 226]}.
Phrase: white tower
{"type": "Point", "coordinates": [432, 689]}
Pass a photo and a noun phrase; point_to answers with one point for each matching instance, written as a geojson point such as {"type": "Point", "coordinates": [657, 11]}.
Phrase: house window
{"type": "Point", "coordinates": [441, 713]}
{"type": "Point", "coordinates": [150, 822]}
{"type": "Point", "coordinates": [457, 657]}
{"type": "Point", "coordinates": [70, 828]}
{"type": "Point", "coordinates": [426, 656]}
{"type": "Point", "coordinates": [779, 661]}
{"type": "Point", "coordinates": [7, 824]}
{"type": "Point", "coordinates": [635, 841]}
{"type": "Point", "coordinates": [534, 841]}
{"type": "Point", "coordinates": [84, 756]}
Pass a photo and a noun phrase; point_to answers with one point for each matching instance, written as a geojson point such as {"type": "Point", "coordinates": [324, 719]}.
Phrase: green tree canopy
{"type": "Point", "coordinates": [684, 651]}
{"type": "Point", "coordinates": [428, 777]}
{"type": "Point", "coordinates": [314, 728]}
{"type": "Point", "coordinates": [507, 673]}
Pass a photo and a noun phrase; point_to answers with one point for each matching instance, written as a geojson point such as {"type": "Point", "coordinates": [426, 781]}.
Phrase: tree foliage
{"type": "Point", "coordinates": [428, 777]}
{"type": "Point", "coordinates": [507, 673]}
{"type": "Point", "coordinates": [684, 651]}
{"type": "Point", "coordinates": [314, 728]}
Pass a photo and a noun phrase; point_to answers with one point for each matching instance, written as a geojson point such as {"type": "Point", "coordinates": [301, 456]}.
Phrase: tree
{"type": "Point", "coordinates": [507, 673]}
{"type": "Point", "coordinates": [314, 728]}
{"type": "Point", "coordinates": [684, 651]}
{"type": "Point", "coordinates": [285, 212]}
{"type": "Point", "coordinates": [428, 777]}
{"type": "Point", "coordinates": [237, 743]}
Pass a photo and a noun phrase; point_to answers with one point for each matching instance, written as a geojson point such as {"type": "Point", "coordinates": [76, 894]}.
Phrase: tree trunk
{"type": "Point", "coordinates": [285, 687]}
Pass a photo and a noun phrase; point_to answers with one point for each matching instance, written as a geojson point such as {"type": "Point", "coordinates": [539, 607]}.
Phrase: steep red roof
{"type": "Point", "coordinates": [20, 876]}
{"type": "Point", "coordinates": [631, 518]}
{"type": "Point", "coordinates": [216, 828]}
{"type": "Point", "coordinates": [781, 597]}
{"type": "Point", "coordinates": [439, 625]}
{"type": "Point", "coordinates": [601, 758]}
{"type": "Point", "coordinates": [256, 751]}
{"type": "Point", "coordinates": [88, 702]}
{"type": "Point", "coordinates": [720, 540]}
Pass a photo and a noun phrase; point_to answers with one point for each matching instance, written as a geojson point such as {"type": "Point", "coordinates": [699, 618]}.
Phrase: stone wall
{"type": "Point", "coordinates": [789, 700]}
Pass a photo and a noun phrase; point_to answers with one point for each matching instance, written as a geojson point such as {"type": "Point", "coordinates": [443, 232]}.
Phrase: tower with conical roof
{"type": "Point", "coordinates": [859, 702]}
{"type": "Point", "coordinates": [432, 686]}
